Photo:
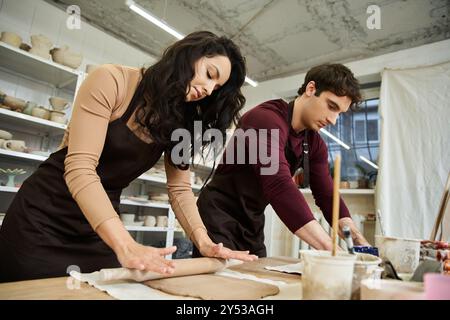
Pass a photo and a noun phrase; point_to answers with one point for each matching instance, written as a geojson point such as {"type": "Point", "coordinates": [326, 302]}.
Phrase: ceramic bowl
{"type": "Point", "coordinates": [5, 135]}
{"type": "Point", "coordinates": [58, 104]}
{"type": "Point", "coordinates": [41, 41]}
{"type": "Point", "coordinates": [58, 116]}
{"type": "Point", "coordinates": [41, 112]}
{"type": "Point", "coordinates": [15, 104]}
{"type": "Point", "coordinates": [11, 38]}
{"type": "Point", "coordinates": [66, 57]}
{"type": "Point", "coordinates": [127, 217]}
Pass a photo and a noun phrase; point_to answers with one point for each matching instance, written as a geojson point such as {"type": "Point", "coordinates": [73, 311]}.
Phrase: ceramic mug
{"type": "Point", "coordinates": [15, 145]}
{"type": "Point", "coordinates": [41, 112]}
{"type": "Point", "coordinates": [57, 116]}
{"type": "Point", "coordinates": [150, 221]}
{"type": "Point", "coordinates": [161, 221]}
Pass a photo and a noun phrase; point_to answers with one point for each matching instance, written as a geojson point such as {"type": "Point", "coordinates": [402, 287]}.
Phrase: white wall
{"type": "Point", "coordinates": [366, 70]}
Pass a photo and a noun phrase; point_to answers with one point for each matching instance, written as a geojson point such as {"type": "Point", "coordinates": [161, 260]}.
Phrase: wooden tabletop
{"type": "Point", "coordinates": [66, 288]}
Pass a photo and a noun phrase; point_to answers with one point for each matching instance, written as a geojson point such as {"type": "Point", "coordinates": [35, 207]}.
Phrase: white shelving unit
{"type": "Point", "coordinates": [20, 119]}
{"type": "Point", "coordinates": [30, 66]}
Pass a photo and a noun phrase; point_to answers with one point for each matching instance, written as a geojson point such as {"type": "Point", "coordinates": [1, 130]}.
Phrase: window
{"type": "Point", "coordinates": [361, 131]}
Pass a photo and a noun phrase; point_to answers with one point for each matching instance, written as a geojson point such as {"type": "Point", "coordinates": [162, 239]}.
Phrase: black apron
{"type": "Point", "coordinates": [232, 205]}
{"type": "Point", "coordinates": [44, 231]}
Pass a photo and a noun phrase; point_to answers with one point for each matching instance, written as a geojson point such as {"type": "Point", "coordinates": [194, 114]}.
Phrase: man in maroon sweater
{"type": "Point", "coordinates": [232, 204]}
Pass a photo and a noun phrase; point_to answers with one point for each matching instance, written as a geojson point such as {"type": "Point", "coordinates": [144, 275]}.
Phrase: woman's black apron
{"type": "Point", "coordinates": [44, 231]}
{"type": "Point", "coordinates": [232, 205]}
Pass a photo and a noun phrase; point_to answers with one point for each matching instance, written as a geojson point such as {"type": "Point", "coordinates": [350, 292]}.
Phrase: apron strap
{"type": "Point", "coordinates": [297, 164]}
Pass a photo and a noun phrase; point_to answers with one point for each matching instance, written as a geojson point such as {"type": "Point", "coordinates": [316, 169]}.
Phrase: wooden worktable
{"type": "Point", "coordinates": [57, 288]}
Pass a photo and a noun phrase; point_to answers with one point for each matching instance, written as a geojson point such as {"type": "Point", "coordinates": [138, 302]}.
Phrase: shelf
{"type": "Point", "coordinates": [346, 191]}
{"type": "Point", "coordinates": [144, 204]}
{"type": "Point", "coordinates": [38, 68]}
{"type": "Point", "coordinates": [160, 180]}
{"type": "Point", "coordinates": [8, 189]}
{"type": "Point", "coordinates": [17, 118]}
{"type": "Point", "coordinates": [22, 155]}
{"type": "Point", "coordinates": [143, 228]}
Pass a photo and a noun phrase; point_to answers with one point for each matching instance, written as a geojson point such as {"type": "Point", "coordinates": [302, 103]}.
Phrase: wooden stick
{"type": "Point", "coordinates": [442, 206]}
{"type": "Point", "coordinates": [336, 201]}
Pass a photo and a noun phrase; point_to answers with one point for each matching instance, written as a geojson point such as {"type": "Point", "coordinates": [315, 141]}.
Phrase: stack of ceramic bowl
{"type": "Point", "coordinates": [59, 105]}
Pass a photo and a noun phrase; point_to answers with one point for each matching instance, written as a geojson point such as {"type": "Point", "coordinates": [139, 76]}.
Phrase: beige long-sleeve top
{"type": "Point", "coordinates": [103, 97]}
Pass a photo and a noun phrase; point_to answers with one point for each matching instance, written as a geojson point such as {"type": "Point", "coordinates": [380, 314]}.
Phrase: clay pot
{"type": "Point", "coordinates": [41, 52]}
{"type": "Point", "coordinates": [58, 103]}
{"type": "Point", "coordinates": [41, 41]}
{"type": "Point", "coordinates": [344, 185]}
{"type": "Point", "coordinates": [5, 135]}
{"type": "Point", "coordinates": [29, 107]}
{"type": "Point", "coordinates": [25, 47]}
{"type": "Point", "coordinates": [58, 116]}
{"type": "Point", "coordinates": [15, 145]}
{"type": "Point", "coordinates": [66, 57]}
{"type": "Point", "coordinates": [11, 38]}
{"type": "Point", "coordinates": [41, 112]}
{"type": "Point", "coordinates": [41, 46]}
{"type": "Point", "coordinates": [15, 104]}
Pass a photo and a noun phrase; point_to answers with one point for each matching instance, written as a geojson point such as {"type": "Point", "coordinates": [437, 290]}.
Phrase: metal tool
{"type": "Point", "coordinates": [348, 239]}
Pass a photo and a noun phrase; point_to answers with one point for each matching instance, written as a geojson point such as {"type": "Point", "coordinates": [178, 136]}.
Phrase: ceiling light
{"type": "Point", "coordinates": [369, 162]}
{"type": "Point", "coordinates": [335, 139]}
{"type": "Point", "coordinates": [161, 24]}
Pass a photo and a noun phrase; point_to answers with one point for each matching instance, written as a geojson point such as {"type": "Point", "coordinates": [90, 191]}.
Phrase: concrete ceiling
{"type": "Point", "coordinates": [278, 37]}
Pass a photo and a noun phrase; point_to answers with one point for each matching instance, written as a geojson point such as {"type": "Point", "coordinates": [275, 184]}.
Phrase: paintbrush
{"type": "Point", "coordinates": [336, 200]}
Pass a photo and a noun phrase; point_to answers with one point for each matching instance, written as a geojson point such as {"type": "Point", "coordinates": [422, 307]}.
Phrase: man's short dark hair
{"type": "Point", "coordinates": [336, 78]}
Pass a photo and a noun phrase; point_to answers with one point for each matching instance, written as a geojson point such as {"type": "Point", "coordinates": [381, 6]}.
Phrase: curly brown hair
{"type": "Point", "coordinates": [162, 91]}
{"type": "Point", "coordinates": [335, 78]}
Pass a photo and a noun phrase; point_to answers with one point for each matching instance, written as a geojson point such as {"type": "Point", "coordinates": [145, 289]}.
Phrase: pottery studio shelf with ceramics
{"type": "Point", "coordinates": [31, 130]}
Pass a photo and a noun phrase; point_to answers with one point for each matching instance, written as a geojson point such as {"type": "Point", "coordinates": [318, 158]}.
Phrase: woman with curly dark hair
{"type": "Point", "coordinates": [65, 213]}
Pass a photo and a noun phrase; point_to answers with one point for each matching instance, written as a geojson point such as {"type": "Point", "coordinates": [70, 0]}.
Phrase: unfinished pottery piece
{"type": "Point", "coordinates": [58, 116]}
{"type": "Point", "coordinates": [5, 135]}
{"type": "Point", "coordinates": [15, 104]}
{"type": "Point", "coordinates": [11, 38]}
{"type": "Point", "coordinates": [15, 145]}
{"type": "Point", "coordinates": [58, 103]}
{"type": "Point", "coordinates": [41, 112]}
{"type": "Point", "coordinates": [66, 57]}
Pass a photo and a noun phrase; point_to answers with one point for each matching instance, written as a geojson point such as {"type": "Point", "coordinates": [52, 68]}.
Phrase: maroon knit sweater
{"type": "Point", "coordinates": [279, 189]}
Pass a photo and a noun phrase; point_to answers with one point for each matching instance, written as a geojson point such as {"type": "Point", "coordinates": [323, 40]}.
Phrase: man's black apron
{"type": "Point", "coordinates": [232, 205]}
{"type": "Point", "coordinates": [44, 230]}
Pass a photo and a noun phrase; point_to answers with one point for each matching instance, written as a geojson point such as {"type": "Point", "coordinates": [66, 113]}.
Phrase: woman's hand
{"type": "Point", "coordinates": [138, 256]}
{"type": "Point", "coordinates": [210, 249]}
{"type": "Point", "coordinates": [219, 251]}
{"type": "Point", "coordinates": [132, 254]}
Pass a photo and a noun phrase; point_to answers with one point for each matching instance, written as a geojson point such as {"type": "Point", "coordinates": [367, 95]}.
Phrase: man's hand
{"type": "Point", "coordinates": [358, 238]}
